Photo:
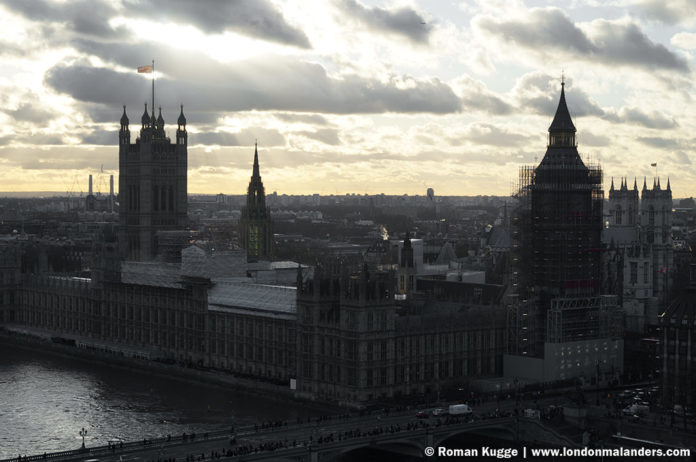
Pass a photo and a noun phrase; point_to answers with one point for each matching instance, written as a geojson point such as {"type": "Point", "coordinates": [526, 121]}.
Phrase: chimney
{"type": "Point", "coordinates": [90, 185]}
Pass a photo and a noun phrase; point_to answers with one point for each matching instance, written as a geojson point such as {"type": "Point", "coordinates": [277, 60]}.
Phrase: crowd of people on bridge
{"type": "Point", "coordinates": [331, 437]}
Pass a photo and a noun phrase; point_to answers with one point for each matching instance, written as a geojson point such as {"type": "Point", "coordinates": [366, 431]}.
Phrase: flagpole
{"type": "Point", "coordinates": [153, 92]}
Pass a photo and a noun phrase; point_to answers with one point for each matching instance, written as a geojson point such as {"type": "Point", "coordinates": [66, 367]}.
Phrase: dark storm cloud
{"type": "Point", "coordinates": [89, 17]}
{"type": "Point", "coordinates": [652, 119]}
{"type": "Point", "coordinates": [669, 12]}
{"type": "Point", "coordinates": [255, 18]}
{"type": "Point", "coordinates": [325, 135]}
{"type": "Point", "coordinates": [539, 93]}
{"type": "Point", "coordinates": [30, 112]}
{"type": "Point", "coordinates": [475, 96]}
{"type": "Point", "coordinates": [611, 43]}
{"type": "Point", "coordinates": [269, 83]}
{"type": "Point", "coordinates": [402, 21]}
{"type": "Point", "coordinates": [627, 44]}
{"type": "Point", "coordinates": [101, 137]}
{"type": "Point", "coordinates": [109, 113]}
{"type": "Point", "coordinates": [549, 28]}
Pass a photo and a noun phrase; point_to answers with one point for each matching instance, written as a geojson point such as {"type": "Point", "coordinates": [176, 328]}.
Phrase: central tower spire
{"type": "Point", "coordinates": [255, 172]}
{"type": "Point", "coordinates": [562, 130]}
{"type": "Point", "coordinates": [255, 223]}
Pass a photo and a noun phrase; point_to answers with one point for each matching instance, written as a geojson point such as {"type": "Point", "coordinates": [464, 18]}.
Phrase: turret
{"type": "Point", "coordinates": [181, 135]}
{"type": "Point", "coordinates": [159, 125]}
{"type": "Point", "coordinates": [124, 133]}
{"type": "Point", "coordinates": [145, 119]}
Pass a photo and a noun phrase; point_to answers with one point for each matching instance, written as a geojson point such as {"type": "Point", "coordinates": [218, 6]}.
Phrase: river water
{"type": "Point", "coordinates": [45, 400]}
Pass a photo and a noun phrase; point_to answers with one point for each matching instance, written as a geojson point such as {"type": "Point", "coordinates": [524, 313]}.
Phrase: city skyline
{"type": "Point", "coordinates": [348, 96]}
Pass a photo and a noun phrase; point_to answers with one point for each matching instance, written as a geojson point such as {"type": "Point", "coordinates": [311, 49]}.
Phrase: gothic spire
{"type": "Point", "coordinates": [124, 117]}
{"type": "Point", "coordinates": [562, 121]}
{"type": "Point", "coordinates": [182, 117]}
{"type": "Point", "coordinates": [256, 173]}
{"type": "Point", "coordinates": [146, 117]}
{"type": "Point", "coordinates": [668, 187]}
{"type": "Point", "coordinates": [612, 184]}
{"type": "Point", "coordinates": [635, 184]}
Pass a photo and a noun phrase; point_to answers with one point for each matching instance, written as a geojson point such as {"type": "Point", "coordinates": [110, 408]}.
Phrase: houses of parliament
{"type": "Point", "coordinates": [332, 331]}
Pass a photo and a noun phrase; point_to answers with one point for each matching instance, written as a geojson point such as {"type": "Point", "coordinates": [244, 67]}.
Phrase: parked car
{"type": "Point", "coordinates": [422, 415]}
{"type": "Point", "coordinates": [439, 411]}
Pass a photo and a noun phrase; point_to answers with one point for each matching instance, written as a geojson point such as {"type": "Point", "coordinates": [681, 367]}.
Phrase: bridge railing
{"type": "Point", "coordinates": [126, 446]}
{"type": "Point", "coordinates": [359, 441]}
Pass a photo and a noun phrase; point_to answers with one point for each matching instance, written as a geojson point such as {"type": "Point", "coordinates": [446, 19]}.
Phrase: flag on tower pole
{"type": "Point", "coordinates": [150, 69]}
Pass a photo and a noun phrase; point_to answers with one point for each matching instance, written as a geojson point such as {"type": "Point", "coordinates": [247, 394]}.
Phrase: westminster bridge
{"type": "Point", "coordinates": [325, 439]}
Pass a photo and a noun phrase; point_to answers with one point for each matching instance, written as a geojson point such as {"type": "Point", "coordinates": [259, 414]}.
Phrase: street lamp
{"type": "Point", "coordinates": [83, 433]}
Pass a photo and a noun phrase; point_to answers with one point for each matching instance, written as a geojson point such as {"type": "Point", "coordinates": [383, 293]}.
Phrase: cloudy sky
{"type": "Point", "coordinates": [360, 96]}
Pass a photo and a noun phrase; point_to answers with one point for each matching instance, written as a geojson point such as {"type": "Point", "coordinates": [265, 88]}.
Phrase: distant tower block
{"type": "Point", "coordinates": [152, 184]}
{"type": "Point", "coordinates": [431, 193]}
{"type": "Point", "coordinates": [90, 185]}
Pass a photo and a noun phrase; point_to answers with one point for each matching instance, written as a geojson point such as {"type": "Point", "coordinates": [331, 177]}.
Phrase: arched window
{"type": "Point", "coordinates": [651, 215]}
{"type": "Point", "coordinates": [618, 213]}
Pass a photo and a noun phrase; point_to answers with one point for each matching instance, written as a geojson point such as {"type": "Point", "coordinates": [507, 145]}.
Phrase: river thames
{"type": "Point", "coordinates": [45, 400]}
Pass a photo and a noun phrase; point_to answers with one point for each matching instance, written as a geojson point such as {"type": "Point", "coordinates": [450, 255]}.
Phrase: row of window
{"type": "Point", "coordinates": [413, 372]}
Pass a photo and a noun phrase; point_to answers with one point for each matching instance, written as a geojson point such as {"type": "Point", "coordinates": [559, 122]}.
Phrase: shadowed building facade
{"type": "Point", "coordinates": [678, 324]}
{"type": "Point", "coordinates": [152, 184]}
{"type": "Point", "coordinates": [559, 314]}
{"type": "Point", "coordinates": [356, 345]}
{"type": "Point", "coordinates": [639, 258]}
{"type": "Point", "coordinates": [255, 224]}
